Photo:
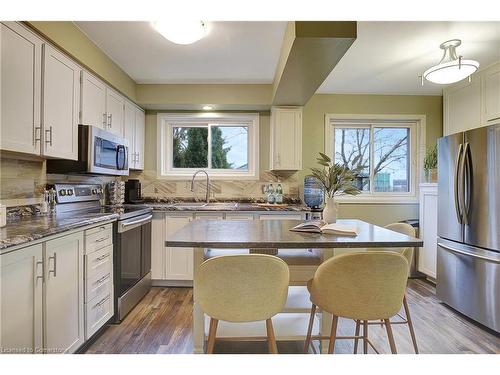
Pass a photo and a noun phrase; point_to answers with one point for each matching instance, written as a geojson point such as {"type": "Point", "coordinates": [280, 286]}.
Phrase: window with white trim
{"type": "Point", "coordinates": [223, 144]}
{"type": "Point", "coordinates": [384, 150]}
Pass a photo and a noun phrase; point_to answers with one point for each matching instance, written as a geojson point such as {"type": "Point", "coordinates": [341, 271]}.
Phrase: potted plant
{"type": "Point", "coordinates": [430, 164]}
{"type": "Point", "coordinates": [336, 180]}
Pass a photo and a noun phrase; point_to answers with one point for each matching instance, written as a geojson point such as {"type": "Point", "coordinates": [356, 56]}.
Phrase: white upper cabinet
{"type": "Point", "coordinates": [286, 138]}
{"type": "Point", "coordinates": [462, 106]}
{"type": "Point", "coordinates": [20, 82]}
{"type": "Point", "coordinates": [93, 101]}
{"type": "Point", "coordinates": [61, 99]}
{"type": "Point", "coordinates": [491, 94]}
{"type": "Point", "coordinates": [114, 111]}
{"type": "Point", "coordinates": [140, 129]}
{"type": "Point", "coordinates": [21, 282]}
{"type": "Point", "coordinates": [468, 105]}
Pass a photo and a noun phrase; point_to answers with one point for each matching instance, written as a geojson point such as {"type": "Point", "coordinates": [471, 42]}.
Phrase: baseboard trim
{"type": "Point", "coordinates": [178, 283]}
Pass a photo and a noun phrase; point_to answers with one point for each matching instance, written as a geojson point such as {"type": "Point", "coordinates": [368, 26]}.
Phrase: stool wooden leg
{"type": "Point", "coordinates": [390, 336]}
{"type": "Point", "coordinates": [211, 335]}
{"type": "Point", "coordinates": [309, 329]}
{"type": "Point", "coordinates": [365, 336]}
{"type": "Point", "coordinates": [271, 340]}
{"type": "Point", "coordinates": [356, 333]}
{"type": "Point", "coordinates": [333, 334]}
{"type": "Point", "coordinates": [410, 324]}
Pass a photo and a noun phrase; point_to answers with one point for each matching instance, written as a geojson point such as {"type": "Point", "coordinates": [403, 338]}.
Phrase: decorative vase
{"type": "Point", "coordinates": [431, 175]}
{"type": "Point", "coordinates": [330, 211]}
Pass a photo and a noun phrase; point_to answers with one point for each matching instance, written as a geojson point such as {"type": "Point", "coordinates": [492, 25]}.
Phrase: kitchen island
{"type": "Point", "coordinates": [275, 234]}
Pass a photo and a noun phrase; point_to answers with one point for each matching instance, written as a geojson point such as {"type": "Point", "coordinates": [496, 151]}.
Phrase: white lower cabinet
{"type": "Point", "coordinates": [64, 294]}
{"type": "Point", "coordinates": [42, 297]}
{"type": "Point", "coordinates": [21, 282]}
{"type": "Point", "coordinates": [178, 260]}
{"type": "Point", "coordinates": [427, 255]}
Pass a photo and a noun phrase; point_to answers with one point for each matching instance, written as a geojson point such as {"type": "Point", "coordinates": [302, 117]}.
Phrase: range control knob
{"type": "Point", "coordinates": [69, 191]}
{"type": "Point", "coordinates": [94, 191]}
{"type": "Point", "coordinates": [62, 192]}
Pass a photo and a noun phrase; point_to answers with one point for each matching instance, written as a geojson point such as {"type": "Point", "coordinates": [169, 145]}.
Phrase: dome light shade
{"type": "Point", "coordinates": [181, 32]}
{"type": "Point", "coordinates": [451, 68]}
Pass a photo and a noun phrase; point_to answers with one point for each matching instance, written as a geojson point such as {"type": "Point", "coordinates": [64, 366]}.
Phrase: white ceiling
{"type": "Point", "coordinates": [388, 57]}
{"type": "Point", "coordinates": [233, 52]}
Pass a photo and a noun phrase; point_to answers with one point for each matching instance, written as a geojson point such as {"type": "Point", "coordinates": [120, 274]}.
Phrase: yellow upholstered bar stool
{"type": "Point", "coordinates": [362, 286]}
{"type": "Point", "coordinates": [242, 288]}
{"type": "Point", "coordinates": [407, 252]}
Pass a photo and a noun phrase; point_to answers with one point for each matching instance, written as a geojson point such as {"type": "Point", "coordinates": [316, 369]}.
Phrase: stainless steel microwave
{"type": "Point", "coordinates": [99, 152]}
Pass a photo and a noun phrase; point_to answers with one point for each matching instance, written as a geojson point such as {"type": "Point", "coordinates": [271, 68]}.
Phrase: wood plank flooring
{"type": "Point", "coordinates": [162, 323]}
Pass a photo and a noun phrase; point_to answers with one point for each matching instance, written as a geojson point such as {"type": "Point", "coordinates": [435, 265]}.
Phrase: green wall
{"type": "Point", "coordinates": [313, 139]}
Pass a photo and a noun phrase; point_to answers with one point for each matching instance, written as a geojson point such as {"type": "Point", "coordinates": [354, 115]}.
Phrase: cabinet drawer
{"type": "Point", "coordinates": [99, 237]}
{"type": "Point", "coordinates": [98, 262]}
{"type": "Point", "coordinates": [99, 310]}
{"type": "Point", "coordinates": [100, 280]}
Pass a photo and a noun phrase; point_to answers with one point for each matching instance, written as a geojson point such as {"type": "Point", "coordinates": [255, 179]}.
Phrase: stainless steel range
{"type": "Point", "coordinates": [131, 241]}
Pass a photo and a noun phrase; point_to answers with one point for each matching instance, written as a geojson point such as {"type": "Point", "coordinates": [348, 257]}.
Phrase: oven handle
{"type": "Point", "coordinates": [471, 254]}
{"type": "Point", "coordinates": [146, 219]}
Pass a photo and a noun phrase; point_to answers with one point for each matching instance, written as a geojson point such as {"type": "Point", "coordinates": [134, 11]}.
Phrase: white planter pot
{"type": "Point", "coordinates": [330, 211]}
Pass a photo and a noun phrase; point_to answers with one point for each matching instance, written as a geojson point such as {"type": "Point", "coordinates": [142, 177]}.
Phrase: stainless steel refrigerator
{"type": "Point", "coordinates": [468, 254]}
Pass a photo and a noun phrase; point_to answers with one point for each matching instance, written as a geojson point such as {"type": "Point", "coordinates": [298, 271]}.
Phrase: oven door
{"type": "Point", "coordinates": [134, 251]}
{"type": "Point", "coordinates": [108, 153]}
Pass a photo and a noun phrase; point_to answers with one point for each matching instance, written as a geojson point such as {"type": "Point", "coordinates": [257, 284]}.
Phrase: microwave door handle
{"type": "Point", "coordinates": [456, 184]}
{"type": "Point", "coordinates": [125, 157]}
{"type": "Point", "coordinates": [118, 148]}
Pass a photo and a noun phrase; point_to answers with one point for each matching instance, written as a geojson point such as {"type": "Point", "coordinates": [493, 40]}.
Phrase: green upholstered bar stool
{"type": "Point", "coordinates": [362, 286]}
{"type": "Point", "coordinates": [242, 288]}
{"type": "Point", "coordinates": [407, 252]}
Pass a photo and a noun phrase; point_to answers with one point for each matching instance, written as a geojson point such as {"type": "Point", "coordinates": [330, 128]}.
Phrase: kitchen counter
{"type": "Point", "coordinates": [27, 229]}
{"type": "Point", "coordinates": [224, 207]}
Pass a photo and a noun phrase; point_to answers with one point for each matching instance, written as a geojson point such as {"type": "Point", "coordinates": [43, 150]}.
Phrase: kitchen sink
{"type": "Point", "coordinates": [208, 206]}
{"type": "Point", "coordinates": [221, 205]}
{"type": "Point", "coordinates": [190, 204]}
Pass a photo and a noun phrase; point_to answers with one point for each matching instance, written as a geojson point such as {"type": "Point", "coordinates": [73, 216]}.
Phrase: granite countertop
{"type": "Point", "coordinates": [235, 234]}
{"type": "Point", "coordinates": [230, 206]}
{"type": "Point", "coordinates": [26, 229]}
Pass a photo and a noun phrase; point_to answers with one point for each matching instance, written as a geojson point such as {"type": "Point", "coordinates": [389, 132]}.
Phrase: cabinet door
{"type": "Point", "coordinates": [21, 300]}
{"type": "Point", "coordinates": [158, 250]}
{"type": "Point", "coordinates": [178, 260]}
{"type": "Point", "coordinates": [427, 255]}
{"type": "Point", "coordinates": [115, 111]}
{"type": "Point", "coordinates": [61, 101]}
{"type": "Point", "coordinates": [491, 95]}
{"type": "Point", "coordinates": [93, 101]}
{"type": "Point", "coordinates": [64, 329]}
{"type": "Point", "coordinates": [286, 139]}
{"type": "Point", "coordinates": [129, 132]}
{"type": "Point", "coordinates": [20, 89]}
{"type": "Point", "coordinates": [462, 106]}
{"type": "Point", "coordinates": [140, 129]}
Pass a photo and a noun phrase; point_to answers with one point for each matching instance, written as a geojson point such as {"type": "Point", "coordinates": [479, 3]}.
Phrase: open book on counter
{"type": "Point", "coordinates": [320, 226]}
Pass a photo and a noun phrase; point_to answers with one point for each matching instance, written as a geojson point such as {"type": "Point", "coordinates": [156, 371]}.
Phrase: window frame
{"type": "Point", "coordinates": [167, 121]}
{"type": "Point", "coordinates": [416, 124]}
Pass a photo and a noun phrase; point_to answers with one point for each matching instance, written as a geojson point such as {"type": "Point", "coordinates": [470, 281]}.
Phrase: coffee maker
{"type": "Point", "coordinates": [133, 191]}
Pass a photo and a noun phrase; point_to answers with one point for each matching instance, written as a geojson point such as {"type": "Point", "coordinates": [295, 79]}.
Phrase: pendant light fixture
{"type": "Point", "coordinates": [182, 31]}
{"type": "Point", "coordinates": [451, 68]}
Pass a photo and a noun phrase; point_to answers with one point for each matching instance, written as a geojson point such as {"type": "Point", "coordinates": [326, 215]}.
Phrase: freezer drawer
{"type": "Point", "coordinates": [468, 279]}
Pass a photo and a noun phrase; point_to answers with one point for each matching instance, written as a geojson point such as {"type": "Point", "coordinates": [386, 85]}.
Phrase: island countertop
{"type": "Point", "coordinates": [276, 234]}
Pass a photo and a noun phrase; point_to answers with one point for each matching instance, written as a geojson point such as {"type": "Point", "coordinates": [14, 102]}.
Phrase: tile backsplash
{"type": "Point", "coordinates": [22, 182]}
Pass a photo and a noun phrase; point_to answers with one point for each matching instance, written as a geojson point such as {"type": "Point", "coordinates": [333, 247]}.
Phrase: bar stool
{"type": "Point", "coordinates": [407, 252]}
{"type": "Point", "coordinates": [242, 288]}
{"type": "Point", "coordinates": [362, 286]}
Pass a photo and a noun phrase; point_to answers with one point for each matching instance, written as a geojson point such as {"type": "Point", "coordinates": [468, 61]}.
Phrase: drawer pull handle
{"type": "Point", "coordinates": [102, 257]}
{"type": "Point", "coordinates": [101, 302]}
{"type": "Point", "coordinates": [54, 270]}
{"type": "Point", "coordinates": [103, 227]}
{"type": "Point", "coordinates": [101, 280]}
{"type": "Point", "coordinates": [102, 239]}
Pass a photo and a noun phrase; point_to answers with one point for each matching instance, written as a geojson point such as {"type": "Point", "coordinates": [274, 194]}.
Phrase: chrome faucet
{"type": "Point", "coordinates": [208, 183]}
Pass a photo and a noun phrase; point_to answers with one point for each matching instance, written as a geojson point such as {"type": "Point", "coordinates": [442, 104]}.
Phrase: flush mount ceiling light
{"type": "Point", "coordinates": [181, 32]}
{"type": "Point", "coordinates": [207, 107]}
{"type": "Point", "coordinates": [451, 68]}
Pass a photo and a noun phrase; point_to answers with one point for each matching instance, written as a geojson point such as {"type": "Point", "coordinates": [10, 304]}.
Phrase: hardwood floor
{"type": "Point", "coordinates": [161, 323]}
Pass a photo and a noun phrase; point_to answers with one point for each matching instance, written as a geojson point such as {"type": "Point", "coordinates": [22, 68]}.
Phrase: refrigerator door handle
{"type": "Point", "coordinates": [457, 181]}
{"type": "Point", "coordinates": [467, 173]}
{"type": "Point", "coordinates": [469, 253]}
